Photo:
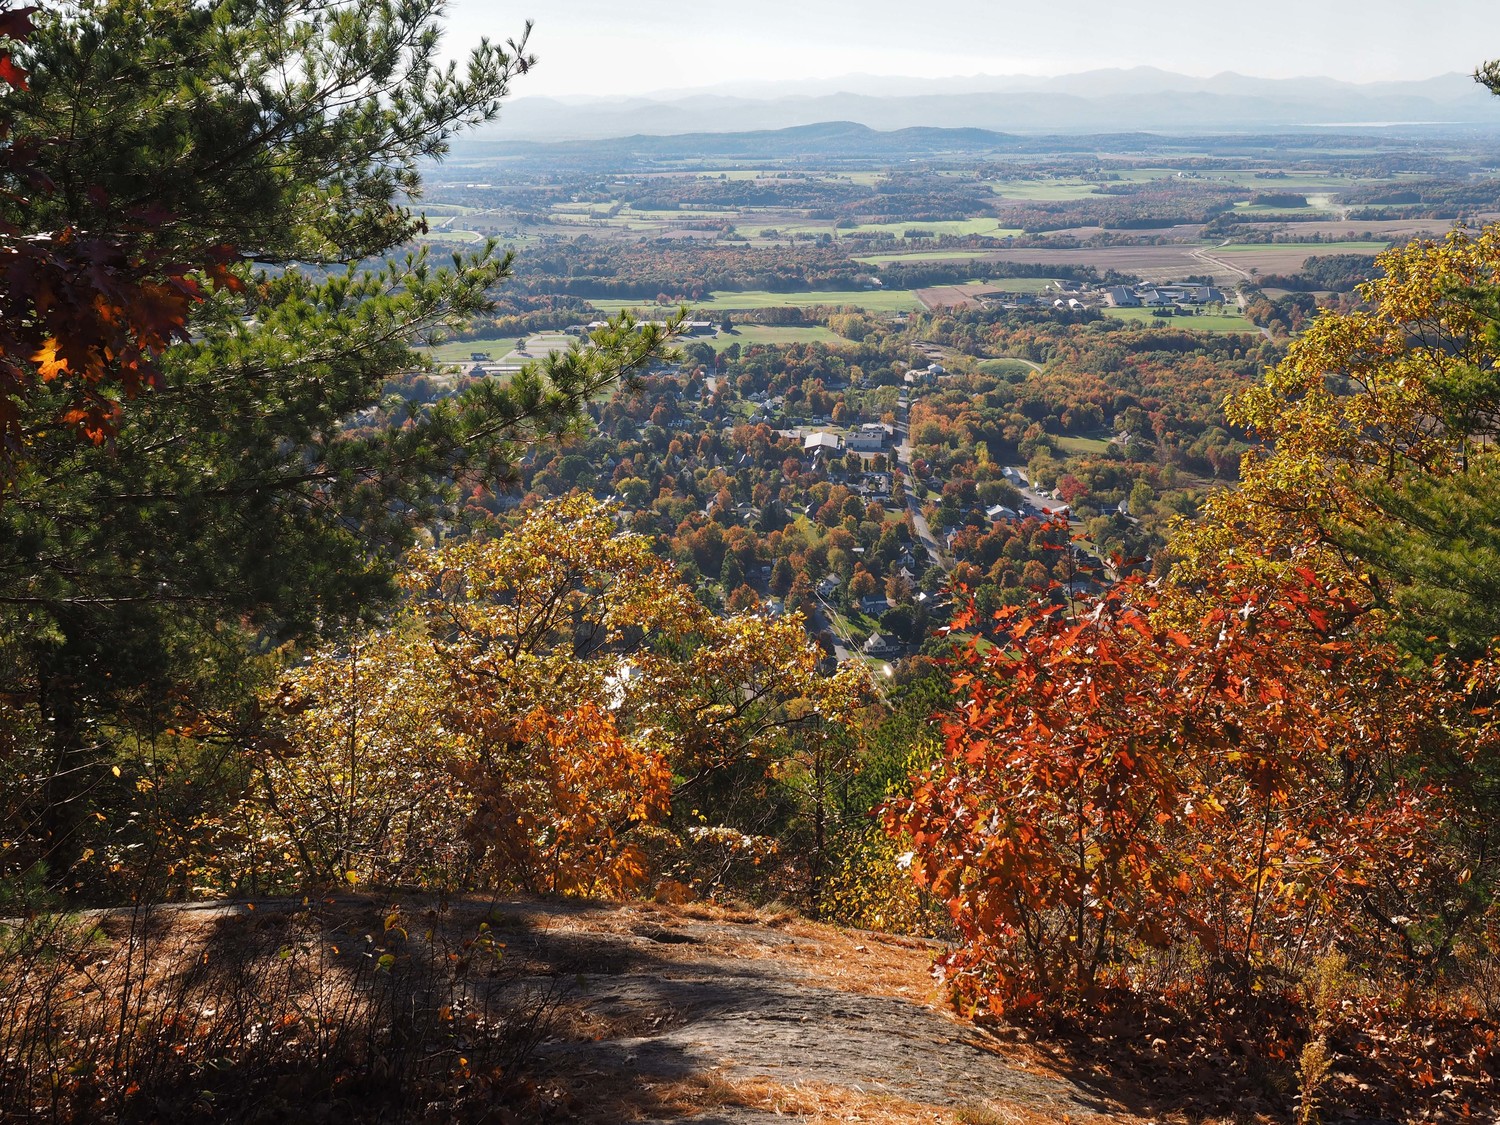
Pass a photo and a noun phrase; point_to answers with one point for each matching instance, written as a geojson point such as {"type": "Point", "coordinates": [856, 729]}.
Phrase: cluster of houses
{"type": "Point", "coordinates": [879, 645]}
{"type": "Point", "coordinates": [1169, 298]}
{"type": "Point", "coordinates": [1186, 295]}
{"type": "Point", "coordinates": [870, 437]}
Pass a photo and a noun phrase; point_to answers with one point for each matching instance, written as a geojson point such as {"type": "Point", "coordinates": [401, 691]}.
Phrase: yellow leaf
{"type": "Point", "coordinates": [49, 361]}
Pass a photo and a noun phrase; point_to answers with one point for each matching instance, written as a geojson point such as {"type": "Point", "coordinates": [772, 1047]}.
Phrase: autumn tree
{"type": "Point", "coordinates": [1378, 474]}
{"type": "Point", "coordinates": [549, 694]}
{"type": "Point", "coordinates": [743, 599]}
{"type": "Point", "coordinates": [355, 784]}
{"type": "Point", "coordinates": [862, 584]}
{"type": "Point", "coordinates": [251, 167]}
{"type": "Point", "coordinates": [1249, 791]}
{"type": "Point", "coordinates": [1378, 463]}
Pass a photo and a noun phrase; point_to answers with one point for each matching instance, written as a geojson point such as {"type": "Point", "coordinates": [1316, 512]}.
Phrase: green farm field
{"type": "Point", "coordinates": [748, 335]}
{"type": "Point", "coordinates": [1202, 323]}
{"type": "Point", "coordinates": [459, 351]}
{"type": "Point", "coordinates": [451, 234]}
{"type": "Point", "coordinates": [442, 210]}
{"type": "Point", "coordinates": [1006, 367]}
{"type": "Point", "coordinates": [1080, 445]}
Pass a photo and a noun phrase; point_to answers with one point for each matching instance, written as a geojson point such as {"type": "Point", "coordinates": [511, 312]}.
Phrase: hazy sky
{"type": "Point", "coordinates": [602, 47]}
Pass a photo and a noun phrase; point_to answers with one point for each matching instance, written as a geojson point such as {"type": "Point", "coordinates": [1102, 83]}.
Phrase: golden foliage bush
{"type": "Point", "coordinates": [544, 696]}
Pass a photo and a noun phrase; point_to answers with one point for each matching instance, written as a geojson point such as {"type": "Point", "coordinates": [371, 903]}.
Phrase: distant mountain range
{"type": "Point", "coordinates": [1101, 101]}
{"type": "Point", "coordinates": [848, 143]}
{"type": "Point", "coordinates": [835, 141]}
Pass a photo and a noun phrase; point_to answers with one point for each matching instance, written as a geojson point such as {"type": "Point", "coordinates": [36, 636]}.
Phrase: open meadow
{"type": "Point", "coordinates": [750, 335]}
{"type": "Point", "coordinates": [460, 351]}
{"type": "Point", "coordinates": [1198, 322]}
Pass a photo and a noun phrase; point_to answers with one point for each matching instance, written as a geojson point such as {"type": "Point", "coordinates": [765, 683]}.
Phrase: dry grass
{"type": "Point", "coordinates": [1384, 228]}
{"type": "Point", "coordinates": [866, 962]}
{"type": "Point", "coordinates": [809, 1103]}
{"type": "Point", "coordinates": [1173, 261]}
{"type": "Point", "coordinates": [951, 296]}
{"type": "Point", "coordinates": [819, 1104]}
{"type": "Point", "coordinates": [1287, 258]}
{"type": "Point", "coordinates": [163, 1015]}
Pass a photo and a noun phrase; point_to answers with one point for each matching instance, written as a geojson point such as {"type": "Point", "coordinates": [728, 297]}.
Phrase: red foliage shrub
{"type": "Point", "coordinates": [1121, 804]}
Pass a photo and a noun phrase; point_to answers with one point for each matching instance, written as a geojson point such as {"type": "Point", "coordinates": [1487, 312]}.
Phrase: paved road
{"type": "Point", "coordinates": [824, 619]}
{"type": "Point", "coordinates": [924, 532]}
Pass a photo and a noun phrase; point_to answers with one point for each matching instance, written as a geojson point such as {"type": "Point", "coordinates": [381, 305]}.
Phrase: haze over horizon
{"type": "Point", "coordinates": [593, 48]}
